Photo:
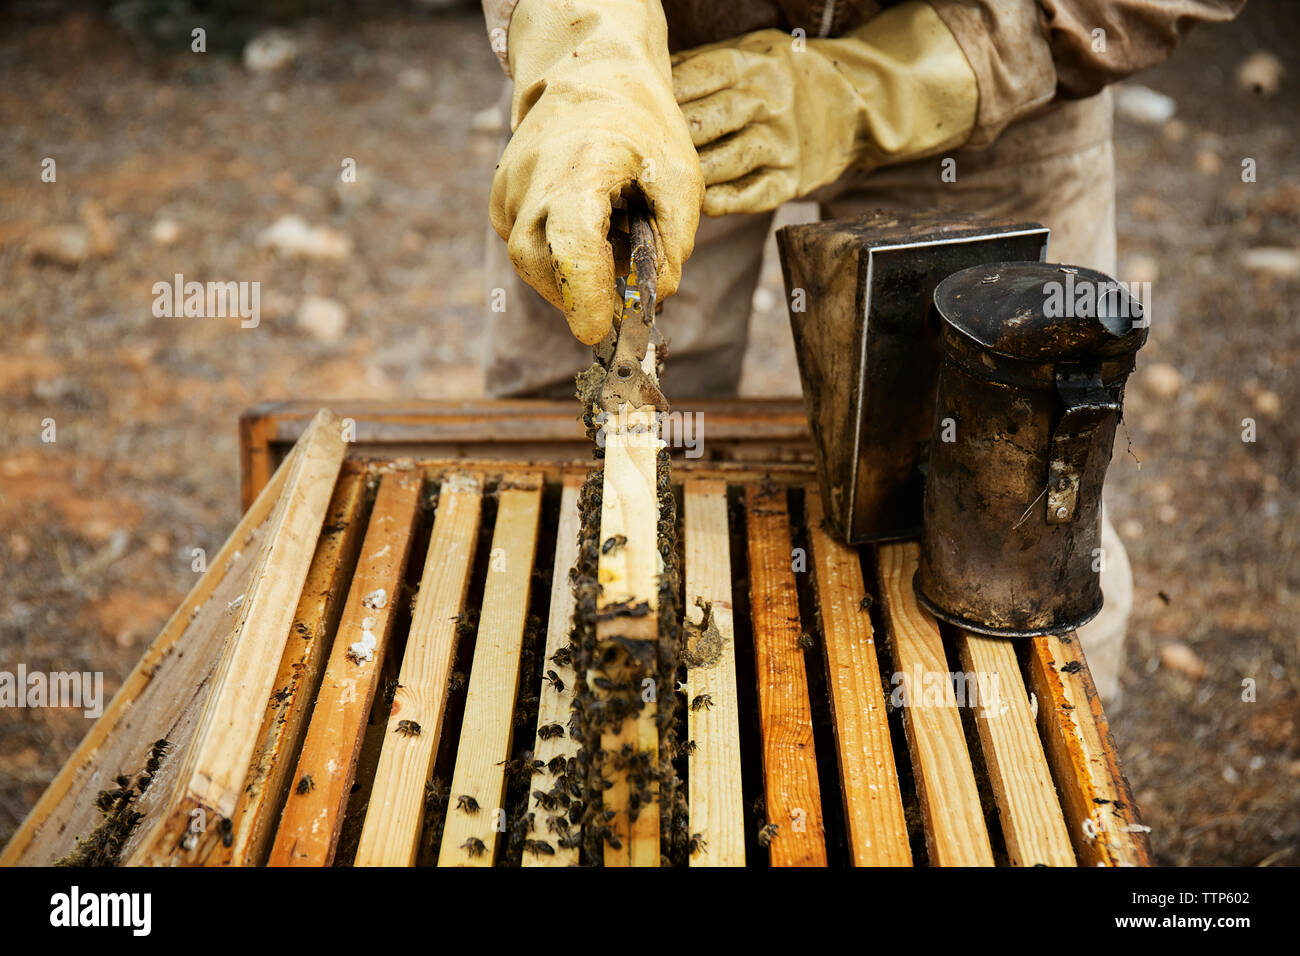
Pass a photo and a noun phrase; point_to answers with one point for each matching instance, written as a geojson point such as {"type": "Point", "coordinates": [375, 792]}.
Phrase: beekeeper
{"type": "Point", "coordinates": [733, 107]}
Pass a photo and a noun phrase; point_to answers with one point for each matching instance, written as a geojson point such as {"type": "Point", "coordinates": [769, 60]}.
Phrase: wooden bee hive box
{"type": "Point", "coordinates": [407, 697]}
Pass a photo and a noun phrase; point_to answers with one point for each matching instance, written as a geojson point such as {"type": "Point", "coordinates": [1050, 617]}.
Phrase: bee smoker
{"type": "Point", "coordinates": [1035, 357]}
{"type": "Point", "coordinates": [859, 292]}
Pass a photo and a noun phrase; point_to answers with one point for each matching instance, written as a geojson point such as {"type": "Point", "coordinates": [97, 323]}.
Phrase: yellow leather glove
{"type": "Point", "coordinates": [594, 118]}
{"type": "Point", "coordinates": [773, 122]}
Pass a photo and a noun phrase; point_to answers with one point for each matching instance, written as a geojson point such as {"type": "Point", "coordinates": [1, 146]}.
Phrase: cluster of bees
{"type": "Point", "coordinates": [103, 847]}
{"type": "Point", "coordinates": [610, 679]}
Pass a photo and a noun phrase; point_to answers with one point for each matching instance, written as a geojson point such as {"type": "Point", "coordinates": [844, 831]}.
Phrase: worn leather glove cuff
{"type": "Point", "coordinates": [915, 93]}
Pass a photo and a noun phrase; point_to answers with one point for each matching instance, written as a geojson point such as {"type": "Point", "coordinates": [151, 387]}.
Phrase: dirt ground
{"type": "Point", "coordinates": [176, 162]}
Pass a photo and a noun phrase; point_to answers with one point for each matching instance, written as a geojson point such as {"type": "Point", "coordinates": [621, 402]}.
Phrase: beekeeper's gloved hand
{"type": "Point", "coordinates": [593, 117]}
{"type": "Point", "coordinates": [774, 122]}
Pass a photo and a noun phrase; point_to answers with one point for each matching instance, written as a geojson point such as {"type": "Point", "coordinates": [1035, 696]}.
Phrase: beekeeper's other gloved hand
{"type": "Point", "coordinates": [593, 117]}
{"type": "Point", "coordinates": [775, 118]}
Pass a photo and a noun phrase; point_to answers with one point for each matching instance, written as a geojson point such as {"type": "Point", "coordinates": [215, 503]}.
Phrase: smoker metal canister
{"type": "Point", "coordinates": [1035, 357]}
{"type": "Point", "coordinates": [859, 292]}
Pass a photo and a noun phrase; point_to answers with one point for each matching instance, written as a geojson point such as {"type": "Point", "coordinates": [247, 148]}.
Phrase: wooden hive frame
{"type": "Point", "coordinates": [798, 756]}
